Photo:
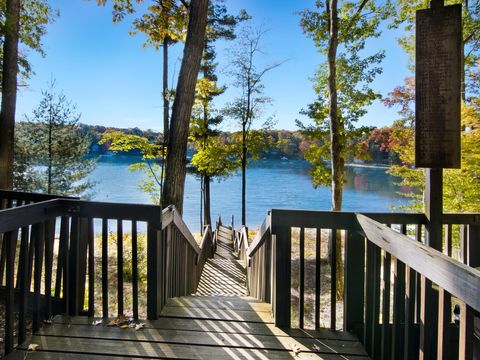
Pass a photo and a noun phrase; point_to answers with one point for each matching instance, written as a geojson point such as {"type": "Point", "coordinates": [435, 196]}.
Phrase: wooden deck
{"type": "Point", "coordinates": [218, 322]}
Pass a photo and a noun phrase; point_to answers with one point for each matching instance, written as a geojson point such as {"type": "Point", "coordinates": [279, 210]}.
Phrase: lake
{"type": "Point", "coordinates": [270, 184]}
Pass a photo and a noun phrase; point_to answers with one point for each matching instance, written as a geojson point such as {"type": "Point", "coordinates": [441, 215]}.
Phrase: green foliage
{"type": "Point", "coordinates": [152, 152]}
{"type": "Point", "coordinates": [216, 159]}
{"type": "Point", "coordinates": [355, 73]}
{"type": "Point", "coordinates": [35, 15]}
{"type": "Point", "coordinates": [405, 19]}
{"type": "Point", "coordinates": [50, 152]}
{"type": "Point", "coordinates": [461, 187]}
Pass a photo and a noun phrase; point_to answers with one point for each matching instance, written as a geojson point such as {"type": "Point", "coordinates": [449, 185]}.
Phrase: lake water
{"type": "Point", "coordinates": [270, 184]}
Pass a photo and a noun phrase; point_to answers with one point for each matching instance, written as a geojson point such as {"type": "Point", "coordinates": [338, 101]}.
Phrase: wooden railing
{"type": "Point", "coordinates": [387, 298]}
{"type": "Point", "coordinates": [66, 244]}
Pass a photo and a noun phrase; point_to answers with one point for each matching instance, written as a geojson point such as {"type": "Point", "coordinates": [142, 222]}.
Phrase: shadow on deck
{"type": "Point", "coordinates": [219, 321]}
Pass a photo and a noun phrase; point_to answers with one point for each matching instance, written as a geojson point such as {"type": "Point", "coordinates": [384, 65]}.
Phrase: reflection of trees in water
{"type": "Point", "coordinates": [371, 179]}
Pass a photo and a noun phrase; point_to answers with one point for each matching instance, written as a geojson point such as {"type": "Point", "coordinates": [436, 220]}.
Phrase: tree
{"type": "Point", "coordinates": [220, 25]}
{"type": "Point", "coordinates": [182, 106]}
{"type": "Point", "coordinates": [248, 106]}
{"type": "Point", "coordinates": [461, 187]}
{"type": "Point", "coordinates": [164, 24]}
{"type": "Point", "coordinates": [405, 18]}
{"type": "Point", "coordinates": [152, 152]}
{"type": "Point", "coordinates": [342, 84]}
{"type": "Point", "coordinates": [51, 150]}
{"type": "Point", "coordinates": [9, 93]}
{"type": "Point", "coordinates": [197, 11]}
{"type": "Point", "coordinates": [20, 23]}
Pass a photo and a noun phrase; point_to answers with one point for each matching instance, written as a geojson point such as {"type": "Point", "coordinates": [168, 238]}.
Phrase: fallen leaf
{"type": "Point", "coordinates": [47, 322]}
{"type": "Point", "coordinates": [33, 347]}
{"type": "Point", "coordinates": [295, 348]}
{"type": "Point", "coordinates": [139, 326]}
{"type": "Point", "coordinates": [97, 322]}
{"type": "Point", "coordinates": [124, 326]}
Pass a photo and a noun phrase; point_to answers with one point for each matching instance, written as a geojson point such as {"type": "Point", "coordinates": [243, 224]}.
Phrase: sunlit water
{"type": "Point", "coordinates": [270, 184]}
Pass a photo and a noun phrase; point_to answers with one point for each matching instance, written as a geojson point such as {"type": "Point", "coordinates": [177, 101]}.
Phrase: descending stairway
{"type": "Point", "coordinates": [218, 322]}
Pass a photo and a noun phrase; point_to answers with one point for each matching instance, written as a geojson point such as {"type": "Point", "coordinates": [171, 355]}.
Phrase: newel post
{"type": "Point", "coordinates": [354, 283]}
{"type": "Point", "coordinates": [154, 240]}
{"type": "Point", "coordinates": [282, 273]}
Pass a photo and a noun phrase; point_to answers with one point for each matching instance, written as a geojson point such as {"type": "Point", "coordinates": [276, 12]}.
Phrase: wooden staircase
{"type": "Point", "coordinates": [219, 321]}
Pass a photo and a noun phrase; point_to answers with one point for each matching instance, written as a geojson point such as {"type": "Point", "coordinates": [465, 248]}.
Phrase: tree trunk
{"type": "Point", "coordinates": [9, 94]}
{"type": "Point", "coordinates": [206, 204]}
{"type": "Point", "coordinates": [244, 176]}
{"type": "Point", "coordinates": [336, 146]}
{"type": "Point", "coordinates": [166, 102]}
{"type": "Point", "coordinates": [182, 105]}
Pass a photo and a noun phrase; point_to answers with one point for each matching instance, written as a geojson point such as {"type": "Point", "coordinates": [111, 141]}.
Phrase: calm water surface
{"type": "Point", "coordinates": [270, 184]}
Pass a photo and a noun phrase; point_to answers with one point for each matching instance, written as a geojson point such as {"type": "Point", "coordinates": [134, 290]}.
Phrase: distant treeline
{"type": "Point", "coordinates": [281, 143]}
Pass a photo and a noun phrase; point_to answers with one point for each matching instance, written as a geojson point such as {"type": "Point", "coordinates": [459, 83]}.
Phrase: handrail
{"type": "Point", "coordinates": [31, 196]}
{"type": "Point", "coordinates": [458, 279]}
{"type": "Point", "coordinates": [170, 215]}
{"type": "Point", "coordinates": [260, 237]}
{"type": "Point", "coordinates": [15, 218]}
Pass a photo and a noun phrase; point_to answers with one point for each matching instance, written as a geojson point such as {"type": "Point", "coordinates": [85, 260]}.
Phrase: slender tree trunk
{"type": "Point", "coordinates": [50, 161]}
{"type": "Point", "coordinates": [166, 102]}
{"type": "Point", "coordinates": [9, 94]}
{"type": "Point", "coordinates": [182, 105]}
{"type": "Point", "coordinates": [206, 211]}
{"type": "Point", "coordinates": [336, 146]}
{"type": "Point", "coordinates": [244, 175]}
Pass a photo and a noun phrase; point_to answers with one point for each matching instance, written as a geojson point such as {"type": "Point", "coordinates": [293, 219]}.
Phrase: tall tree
{"type": "Point", "coordinates": [164, 23]}
{"type": "Point", "coordinates": [340, 30]}
{"type": "Point", "coordinates": [220, 25]}
{"type": "Point", "coordinates": [51, 150]}
{"type": "Point", "coordinates": [182, 105]}
{"type": "Point", "coordinates": [21, 23]}
{"type": "Point", "coordinates": [342, 82]}
{"type": "Point", "coordinates": [249, 104]}
{"type": "Point", "coordinates": [9, 93]}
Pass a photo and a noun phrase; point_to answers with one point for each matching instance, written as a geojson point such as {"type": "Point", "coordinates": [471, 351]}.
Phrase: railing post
{"type": "Point", "coordinates": [282, 276]}
{"type": "Point", "coordinates": [154, 239]}
{"type": "Point", "coordinates": [354, 283]}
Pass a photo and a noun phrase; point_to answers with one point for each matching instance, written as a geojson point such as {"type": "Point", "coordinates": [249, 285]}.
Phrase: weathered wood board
{"type": "Point", "coordinates": [438, 87]}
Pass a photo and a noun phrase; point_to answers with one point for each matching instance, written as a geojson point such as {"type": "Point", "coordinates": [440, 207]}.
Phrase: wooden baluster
{"type": "Point", "coordinates": [445, 350]}
{"type": "Point", "coordinates": [410, 343]}
{"type": "Point", "coordinates": [120, 266]}
{"type": "Point", "coordinates": [105, 268]}
{"type": "Point", "coordinates": [369, 298]}
{"type": "Point", "coordinates": [64, 241]}
{"type": "Point", "coordinates": [318, 273]}
{"type": "Point", "coordinates": [37, 282]}
{"type": "Point", "coordinates": [49, 242]}
{"type": "Point", "coordinates": [82, 262]}
{"type": "Point", "coordinates": [153, 272]}
{"type": "Point", "coordinates": [398, 309]}
{"type": "Point", "coordinates": [62, 254]}
{"type": "Point", "coordinates": [301, 282]}
{"type": "Point", "coordinates": [386, 329]}
{"type": "Point", "coordinates": [354, 283]}
{"type": "Point", "coordinates": [333, 277]}
{"type": "Point", "coordinates": [10, 240]}
{"type": "Point", "coordinates": [467, 314]}
{"type": "Point", "coordinates": [376, 333]}
{"type": "Point", "coordinates": [91, 268]}
{"type": "Point", "coordinates": [22, 285]}
{"type": "Point", "coordinates": [135, 269]}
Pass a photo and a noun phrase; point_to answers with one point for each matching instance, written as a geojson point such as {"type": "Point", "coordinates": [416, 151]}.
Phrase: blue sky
{"type": "Point", "coordinates": [116, 82]}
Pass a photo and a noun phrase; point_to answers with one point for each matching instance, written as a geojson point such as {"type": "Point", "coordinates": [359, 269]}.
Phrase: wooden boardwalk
{"type": "Point", "coordinates": [218, 322]}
